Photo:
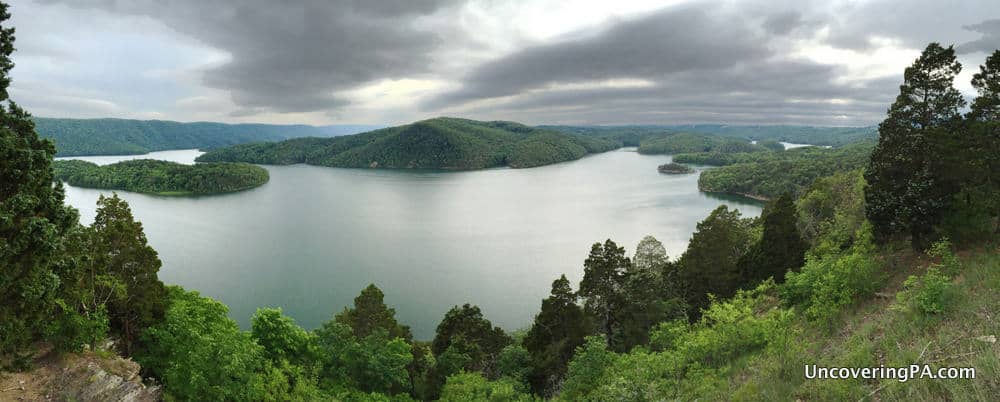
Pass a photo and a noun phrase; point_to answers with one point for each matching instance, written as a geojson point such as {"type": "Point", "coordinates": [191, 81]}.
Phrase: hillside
{"type": "Point", "coordinates": [75, 137]}
{"type": "Point", "coordinates": [634, 134]}
{"type": "Point", "coordinates": [161, 177]}
{"type": "Point", "coordinates": [441, 143]}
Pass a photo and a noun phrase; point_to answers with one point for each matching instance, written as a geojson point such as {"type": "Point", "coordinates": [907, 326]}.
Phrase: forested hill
{"type": "Point", "coordinates": [634, 135]}
{"type": "Point", "coordinates": [440, 143]}
{"type": "Point", "coordinates": [126, 137]}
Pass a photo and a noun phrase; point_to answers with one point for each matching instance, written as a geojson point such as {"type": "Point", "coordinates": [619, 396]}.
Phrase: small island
{"type": "Point", "coordinates": [675, 168]}
{"type": "Point", "coordinates": [161, 177]}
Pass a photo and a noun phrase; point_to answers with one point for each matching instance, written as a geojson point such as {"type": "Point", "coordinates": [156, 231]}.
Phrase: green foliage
{"type": "Point", "coordinates": [118, 248]}
{"type": "Point", "coordinates": [281, 338]}
{"type": "Point", "coordinates": [632, 136]}
{"type": "Point", "coordinates": [441, 143]}
{"type": "Point", "coordinates": [375, 363]}
{"type": "Point", "coordinates": [602, 287]}
{"type": "Point", "coordinates": [772, 174]}
{"type": "Point", "coordinates": [33, 220]}
{"type": "Point", "coordinates": [162, 177]}
{"type": "Point", "coordinates": [558, 329]}
{"type": "Point", "coordinates": [514, 365]}
{"type": "Point", "coordinates": [676, 143]}
{"type": "Point", "coordinates": [128, 137]}
{"type": "Point", "coordinates": [468, 324]}
{"type": "Point", "coordinates": [587, 368]}
{"type": "Point", "coordinates": [780, 249]}
{"type": "Point", "coordinates": [371, 314]}
{"type": "Point", "coordinates": [829, 282]}
{"type": "Point", "coordinates": [905, 193]}
{"type": "Point", "coordinates": [465, 386]}
{"type": "Point", "coordinates": [986, 106]}
{"type": "Point", "coordinates": [674, 168]}
{"type": "Point", "coordinates": [709, 265]}
{"type": "Point", "coordinates": [199, 353]}
{"type": "Point", "coordinates": [931, 292]}
{"type": "Point", "coordinates": [832, 210]}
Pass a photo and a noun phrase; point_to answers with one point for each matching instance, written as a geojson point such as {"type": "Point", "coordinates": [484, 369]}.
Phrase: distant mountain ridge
{"type": "Point", "coordinates": [108, 136]}
{"type": "Point", "coordinates": [440, 143]}
{"type": "Point", "coordinates": [633, 135]}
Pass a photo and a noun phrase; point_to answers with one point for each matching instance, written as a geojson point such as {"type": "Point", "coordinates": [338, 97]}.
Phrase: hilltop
{"type": "Point", "coordinates": [440, 143]}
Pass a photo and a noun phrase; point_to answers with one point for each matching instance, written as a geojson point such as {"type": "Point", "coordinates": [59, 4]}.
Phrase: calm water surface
{"type": "Point", "coordinates": [310, 239]}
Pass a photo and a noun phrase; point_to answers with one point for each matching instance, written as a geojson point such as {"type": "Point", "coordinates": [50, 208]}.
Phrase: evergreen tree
{"type": "Point", "coordinates": [467, 322]}
{"type": "Point", "coordinates": [119, 247]}
{"type": "Point", "coordinates": [650, 255]}
{"type": "Point", "coordinates": [781, 248]}
{"type": "Point", "coordinates": [904, 193]}
{"type": "Point", "coordinates": [370, 313]}
{"type": "Point", "coordinates": [602, 286]}
{"type": "Point", "coordinates": [986, 106]}
{"type": "Point", "coordinates": [33, 219]}
{"type": "Point", "coordinates": [709, 265]}
{"type": "Point", "coordinates": [558, 329]}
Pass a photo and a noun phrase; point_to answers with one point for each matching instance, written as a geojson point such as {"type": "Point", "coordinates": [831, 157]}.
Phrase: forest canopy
{"type": "Point", "coordinates": [162, 177]}
{"type": "Point", "coordinates": [441, 143]}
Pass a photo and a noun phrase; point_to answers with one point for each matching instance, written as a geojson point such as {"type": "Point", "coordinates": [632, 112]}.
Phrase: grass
{"type": "Point", "coordinates": [881, 331]}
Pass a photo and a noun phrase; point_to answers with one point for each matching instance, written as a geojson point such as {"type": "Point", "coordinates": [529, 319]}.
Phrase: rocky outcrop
{"type": "Point", "coordinates": [88, 376]}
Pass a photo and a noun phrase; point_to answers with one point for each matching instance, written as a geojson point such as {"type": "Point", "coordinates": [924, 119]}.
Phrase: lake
{"type": "Point", "coordinates": [311, 238]}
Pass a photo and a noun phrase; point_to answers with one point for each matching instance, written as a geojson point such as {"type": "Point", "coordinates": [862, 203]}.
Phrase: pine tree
{"type": "Point", "coordinates": [709, 265]}
{"type": "Point", "coordinates": [986, 106]}
{"type": "Point", "coordinates": [558, 329]}
{"type": "Point", "coordinates": [370, 313]}
{"type": "Point", "coordinates": [602, 286]}
{"type": "Point", "coordinates": [781, 248]}
{"type": "Point", "coordinates": [904, 193]}
{"type": "Point", "coordinates": [120, 247]}
{"type": "Point", "coordinates": [33, 219]}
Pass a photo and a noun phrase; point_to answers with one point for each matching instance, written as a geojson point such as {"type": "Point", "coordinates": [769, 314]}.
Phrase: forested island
{"type": "Point", "coordinates": [440, 143]}
{"type": "Point", "coordinates": [890, 265]}
{"type": "Point", "coordinates": [77, 137]}
{"type": "Point", "coordinates": [162, 177]}
{"type": "Point", "coordinates": [674, 168]}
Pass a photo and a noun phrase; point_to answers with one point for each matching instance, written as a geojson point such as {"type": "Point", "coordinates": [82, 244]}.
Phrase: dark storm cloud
{"type": "Point", "coordinates": [293, 57]}
{"type": "Point", "coordinates": [988, 43]}
{"type": "Point", "coordinates": [673, 40]}
{"type": "Point", "coordinates": [696, 64]}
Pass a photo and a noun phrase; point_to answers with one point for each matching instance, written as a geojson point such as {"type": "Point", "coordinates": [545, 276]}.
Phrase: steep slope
{"type": "Point", "coordinates": [441, 143]}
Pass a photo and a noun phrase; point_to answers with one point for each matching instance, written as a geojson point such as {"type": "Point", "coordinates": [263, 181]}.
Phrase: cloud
{"type": "Point", "coordinates": [674, 40]}
{"type": "Point", "coordinates": [296, 57]}
{"type": "Point", "coordinates": [988, 43]}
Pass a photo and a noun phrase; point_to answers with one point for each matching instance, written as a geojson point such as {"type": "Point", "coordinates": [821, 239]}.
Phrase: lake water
{"type": "Point", "coordinates": [312, 237]}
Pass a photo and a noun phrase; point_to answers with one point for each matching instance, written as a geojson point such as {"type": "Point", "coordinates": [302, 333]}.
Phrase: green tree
{"type": "Point", "coordinates": [904, 193]}
{"type": "Point", "coordinates": [199, 353]}
{"type": "Point", "coordinates": [119, 246]}
{"type": "Point", "coordinates": [709, 265]}
{"type": "Point", "coordinates": [986, 106]}
{"type": "Point", "coordinates": [467, 322]}
{"type": "Point", "coordinates": [375, 363]}
{"type": "Point", "coordinates": [370, 314]}
{"type": "Point", "coordinates": [464, 387]}
{"type": "Point", "coordinates": [780, 249]}
{"type": "Point", "coordinates": [586, 369]}
{"type": "Point", "coordinates": [650, 255]}
{"type": "Point", "coordinates": [558, 329]}
{"type": "Point", "coordinates": [281, 338]}
{"type": "Point", "coordinates": [602, 286]}
{"type": "Point", "coordinates": [33, 219]}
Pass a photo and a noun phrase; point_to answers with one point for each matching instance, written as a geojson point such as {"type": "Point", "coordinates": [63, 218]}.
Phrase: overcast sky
{"type": "Point", "coordinates": [389, 62]}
